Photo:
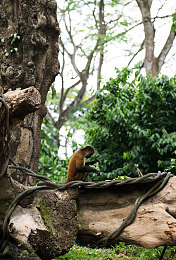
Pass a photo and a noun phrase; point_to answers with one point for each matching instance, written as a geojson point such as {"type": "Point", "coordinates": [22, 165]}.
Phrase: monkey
{"type": "Point", "coordinates": [78, 169]}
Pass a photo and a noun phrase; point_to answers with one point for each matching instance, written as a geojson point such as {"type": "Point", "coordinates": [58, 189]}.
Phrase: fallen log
{"type": "Point", "coordinates": [48, 222]}
{"type": "Point", "coordinates": [101, 211]}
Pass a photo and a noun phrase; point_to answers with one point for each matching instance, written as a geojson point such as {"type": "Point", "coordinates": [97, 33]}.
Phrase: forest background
{"type": "Point", "coordinates": [116, 88]}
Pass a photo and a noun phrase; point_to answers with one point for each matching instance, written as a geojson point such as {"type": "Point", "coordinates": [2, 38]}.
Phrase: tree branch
{"type": "Point", "coordinates": [72, 56]}
{"type": "Point", "coordinates": [140, 49]}
{"type": "Point", "coordinates": [162, 56]}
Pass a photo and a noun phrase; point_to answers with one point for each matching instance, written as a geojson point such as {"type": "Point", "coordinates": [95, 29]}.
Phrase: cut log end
{"type": "Point", "coordinates": [48, 227]}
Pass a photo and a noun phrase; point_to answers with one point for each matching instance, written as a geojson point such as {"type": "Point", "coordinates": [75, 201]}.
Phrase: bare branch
{"type": "Point", "coordinates": [160, 17]}
{"type": "Point", "coordinates": [124, 32]}
{"type": "Point", "coordinates": [72, 56]}
{"type": "Point", "coordinates": [162, 56]}
{"type": "Point", "coordinates": [69, 89]}
{"type": "Point", "coordinates": [51, 118]}
{"type": "Point", "coordinates": [140, 49]}
{"type": "Point", "coordinates": [94, 16]}
{"type": "Point", "coordinates": [114, 20]}
{"type": "Point", "coordinates": [160, 8]}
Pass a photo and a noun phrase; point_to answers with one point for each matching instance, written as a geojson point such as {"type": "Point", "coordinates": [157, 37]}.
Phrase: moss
{"type": "Point", "coordinates": [59, 216]}
{"type": "Point", "coordinates": [4, 205]}
{"type": "Point", "coordinates": [84, 224]}
{"type": "Point", "coordinates": [46, 213]}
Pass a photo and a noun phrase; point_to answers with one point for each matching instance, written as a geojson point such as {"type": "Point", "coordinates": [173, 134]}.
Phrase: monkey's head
{"type": "Point", "coordinates": [88, 151]}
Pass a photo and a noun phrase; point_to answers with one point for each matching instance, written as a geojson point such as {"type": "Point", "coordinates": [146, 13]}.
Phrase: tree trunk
{"type": "Point", "coordinates": [43, 222]}
{"type": "Point", "coordinates": [153, 64]}
{"type": "Point", "coordinates": [29, 57]}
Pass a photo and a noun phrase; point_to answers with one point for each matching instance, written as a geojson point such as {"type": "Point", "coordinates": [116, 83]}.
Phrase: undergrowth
{"type": "Point", "coordinates": [120, 252]}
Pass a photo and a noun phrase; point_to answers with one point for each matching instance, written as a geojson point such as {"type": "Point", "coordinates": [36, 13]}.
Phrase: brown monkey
{"type": "Point", "coordinates": [78, 169]}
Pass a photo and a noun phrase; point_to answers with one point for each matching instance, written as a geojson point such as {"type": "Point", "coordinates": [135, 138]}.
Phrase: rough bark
{"type": "Point", "coordinates": [144, 7]}
{"type": "Point", "coordinates": [29, 57]}
{"type": "Point", "coordinates": [48, 227]}
{"type": "Point", "coordinates": [20, 103]}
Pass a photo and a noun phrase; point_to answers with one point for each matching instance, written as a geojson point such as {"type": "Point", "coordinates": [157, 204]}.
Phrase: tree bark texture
{"type": "Point", "coordinates": [101, 211]}
{"type": "Point", "coordinates": [48, 226]}
{"type": "Point", "coordinates": [43, 222]}
{"type": "Point", "coordinates": [144, 7]}
{"type": "Point", "coordinates": [29, 57]}
{"type": "Point", "coordinates": [20, 103]}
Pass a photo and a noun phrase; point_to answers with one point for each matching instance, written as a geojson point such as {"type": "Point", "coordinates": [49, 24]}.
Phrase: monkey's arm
{"type": "Point", "coordinates": [92, 162]}
{"type": "Point", "coordinates": [87, 169]}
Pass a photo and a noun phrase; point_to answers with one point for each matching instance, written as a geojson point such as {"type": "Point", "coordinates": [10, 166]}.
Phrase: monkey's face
{"type": "Point", "coordinates": [90, 153]}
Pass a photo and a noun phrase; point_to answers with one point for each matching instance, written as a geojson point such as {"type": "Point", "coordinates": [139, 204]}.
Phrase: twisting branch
{"type": "Point", "coordinates": [72, 56]}
{"type": "Point", "coordinates": [140, 49]}
{"type": "Point", "coordinates": [160, 8]}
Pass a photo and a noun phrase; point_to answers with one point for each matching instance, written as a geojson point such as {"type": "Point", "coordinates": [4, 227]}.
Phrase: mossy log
{"type": "Point", "coordinates": [49, 222]}
{"type": "Point", "coordinates": [44, 222]}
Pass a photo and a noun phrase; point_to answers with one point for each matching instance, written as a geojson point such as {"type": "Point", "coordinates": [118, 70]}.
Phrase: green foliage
{"type": "Point", "coordinates": [53, 91]}
{"type": "Point", "coordinates": [174, 23]}
{"type": "Point", "coordinates": [120, 252]}
{"type": "Point", "coordinates": [80, 253]}
{"type": "Point", "coordinates": [14, 42]}
{"type": "Point", "coordinates": [15, 37]}
{"type": "Point", "coordinates": [49, 164]}
{"type": "Point", "coordinates": [133, 122]}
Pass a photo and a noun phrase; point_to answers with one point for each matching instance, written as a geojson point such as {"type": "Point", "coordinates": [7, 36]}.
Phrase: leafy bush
{"type": "Point", "coordinates": [50, 164]}
{"type": "Point", "coordinates": [133, 121]}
